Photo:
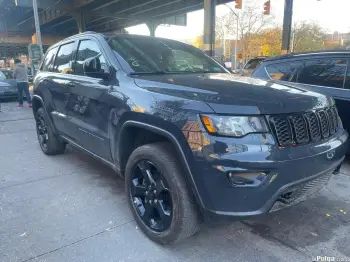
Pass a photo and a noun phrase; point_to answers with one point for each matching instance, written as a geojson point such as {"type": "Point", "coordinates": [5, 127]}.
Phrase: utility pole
{"type": "Point", "coordinates": [37, 26]}
{"type": "Point", "coordinates": [287, 26]}
{"type": "Point", "coordinates": [237, 18]}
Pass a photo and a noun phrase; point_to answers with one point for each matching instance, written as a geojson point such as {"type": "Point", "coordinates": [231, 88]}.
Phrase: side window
{"type": "Point", "coordinates": [90, 49]}
{"type": "Point", "coordinates": [49, 60]}
{"type": "Point", "coordinates": [283, 71]}
{"type": "Point", "coordinates": [323, 72]}
{"type": "Point", "coordinates": [64, 58]}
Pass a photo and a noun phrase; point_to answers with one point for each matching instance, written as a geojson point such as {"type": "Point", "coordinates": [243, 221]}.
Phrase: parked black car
{"type": "Point", "coordinates": [190, 139]}
{"type": "Point", "coordinates": [8, 86]}
{"type": "Point", "coordinates": [326, 72]}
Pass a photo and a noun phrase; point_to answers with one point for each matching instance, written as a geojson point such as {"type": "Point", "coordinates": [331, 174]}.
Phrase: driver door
{"type": "Point", "coordinates": [88, 110]}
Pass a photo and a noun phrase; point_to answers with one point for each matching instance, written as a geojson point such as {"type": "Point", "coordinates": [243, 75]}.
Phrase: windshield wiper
{"type": "Point", "coordinates": [148, 73]}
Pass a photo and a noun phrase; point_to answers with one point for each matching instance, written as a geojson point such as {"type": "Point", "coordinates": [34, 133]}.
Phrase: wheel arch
{"type": "Point", "coordinates": [124, 149]}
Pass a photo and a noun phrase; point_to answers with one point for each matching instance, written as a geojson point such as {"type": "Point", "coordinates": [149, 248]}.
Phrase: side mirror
{"type": "Point", "coordinates": [92, 67]}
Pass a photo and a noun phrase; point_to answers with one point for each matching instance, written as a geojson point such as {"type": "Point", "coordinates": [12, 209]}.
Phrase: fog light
{"type": "Point", "coordinates": [251, 179]}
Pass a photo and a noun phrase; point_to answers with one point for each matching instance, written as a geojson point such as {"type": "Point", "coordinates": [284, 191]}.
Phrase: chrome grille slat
{"type": "Point", "coordinates": [299, 128]}
{"type": "Point", "coordinates": [331, 121]}
{"type": "Point", "coordinates": [282, 129]}
{"type": "Point", "coordinates": [313, 125]}
{"type": "Point", "coordinates": [323, 123]}
{"type": "Point", "coordinates": [302, 128]}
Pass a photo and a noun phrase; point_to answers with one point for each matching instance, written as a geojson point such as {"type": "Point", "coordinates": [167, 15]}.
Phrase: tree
{"type": "Point", "coordinates": [272, 41]}
{"type": "Point", "coordinates": [308, 37]}
{"type": "Point", "coordinates": [251, 23]}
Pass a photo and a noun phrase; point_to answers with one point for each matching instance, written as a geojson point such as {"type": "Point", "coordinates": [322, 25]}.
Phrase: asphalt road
{"type": "Point", "coordinates": [72, 208]}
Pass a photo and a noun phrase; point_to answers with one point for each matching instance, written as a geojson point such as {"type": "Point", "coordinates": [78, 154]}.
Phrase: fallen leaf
{"type": "Point", "coordinates": [327, 215]}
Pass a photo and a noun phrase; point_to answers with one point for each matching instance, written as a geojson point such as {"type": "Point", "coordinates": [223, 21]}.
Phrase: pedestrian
{"type": "Point", "coordinates": [20, 74]}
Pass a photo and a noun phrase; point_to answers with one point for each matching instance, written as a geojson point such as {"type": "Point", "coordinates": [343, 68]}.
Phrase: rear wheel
{"type": "Point", "coordinates": [158, 196]}
{"type": "Point", "coordinates": [50, 143]}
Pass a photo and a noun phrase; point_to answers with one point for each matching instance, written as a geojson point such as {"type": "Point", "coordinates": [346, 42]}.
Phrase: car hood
{"type": "Point", "coordinates": [229, 94]}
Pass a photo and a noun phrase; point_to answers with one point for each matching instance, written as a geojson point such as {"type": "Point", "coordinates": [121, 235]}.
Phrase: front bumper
{"type": "Point", "coordinates": [8, 93]}
{"type": "Point", "coordinates": [290, 169]}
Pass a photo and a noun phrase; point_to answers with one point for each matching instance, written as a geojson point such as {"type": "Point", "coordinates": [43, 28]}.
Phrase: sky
{"type": "Point", "coordinates": [330, 14]}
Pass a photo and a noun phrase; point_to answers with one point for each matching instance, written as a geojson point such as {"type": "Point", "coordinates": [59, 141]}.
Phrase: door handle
{"type": "Point", "coordinates": [71, 84]}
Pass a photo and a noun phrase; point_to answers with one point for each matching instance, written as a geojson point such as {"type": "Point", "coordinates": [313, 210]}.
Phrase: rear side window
{"type": "Point", "coordinates": [64, 58]}
{"type": "Point", "coordinates": [325, 72]}
{"type": "Point", "coordinates": [283, 71]}
{"type": "Point", "coordinates": [49, 59]}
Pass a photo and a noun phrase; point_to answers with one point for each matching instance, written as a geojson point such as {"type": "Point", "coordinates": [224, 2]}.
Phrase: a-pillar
{"type": "Point", "coordinates": [152, 26]}
{"type": "Point", "coordinates": [80, 19]}
{"type": "Point", "coordinates": [209, 27]}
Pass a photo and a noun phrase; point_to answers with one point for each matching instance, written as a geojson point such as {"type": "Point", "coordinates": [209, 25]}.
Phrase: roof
{"type": "Point", "coordinates": [305, 54]}
{"type": "Point", "coordinates": [109, 35]}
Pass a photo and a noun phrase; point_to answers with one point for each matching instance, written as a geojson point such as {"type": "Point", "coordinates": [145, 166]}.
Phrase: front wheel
{"type": "Point", "coordinates": [158, 196]}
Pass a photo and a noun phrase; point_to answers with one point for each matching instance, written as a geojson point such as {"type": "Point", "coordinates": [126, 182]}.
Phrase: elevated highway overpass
{"type": "Point", "coordinates": [67, 17]}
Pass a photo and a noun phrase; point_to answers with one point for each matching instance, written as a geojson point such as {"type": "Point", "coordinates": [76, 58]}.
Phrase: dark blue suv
{"type": "Point", "coordinates": [191, 140]}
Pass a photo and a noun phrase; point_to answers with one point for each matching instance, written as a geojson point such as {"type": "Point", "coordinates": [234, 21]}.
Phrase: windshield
{"type": "Point", "coordinates": [2, 76]}
{"type": "Point", "coordinates": [150, 55]}
{"type": "Point", "coordinates": [7, 74]}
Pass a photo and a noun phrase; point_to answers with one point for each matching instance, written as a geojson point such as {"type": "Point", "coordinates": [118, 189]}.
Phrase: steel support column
{"type": "Point", "coordinates": [80, 18]}
{"type": "Point", "coordinates": [209, 27]}
{"type": "Point", "coordinates": [152, 26]}
{"type": "Point", "coordinates": [287, 26]}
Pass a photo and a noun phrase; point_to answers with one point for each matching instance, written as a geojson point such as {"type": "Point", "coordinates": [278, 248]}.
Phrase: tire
{"type": "Point", "coordinates": [53, 144]}
{"type": "Point", "coordinates": [185, 218]}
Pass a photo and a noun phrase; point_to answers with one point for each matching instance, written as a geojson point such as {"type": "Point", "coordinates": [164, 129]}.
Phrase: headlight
{"type": "Point", "coordinates": [236, 126]}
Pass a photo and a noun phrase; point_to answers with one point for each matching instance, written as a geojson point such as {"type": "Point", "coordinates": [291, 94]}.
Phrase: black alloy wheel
{"type": "Point", "coordinates": [50, 143]}
{"type": "Point", "coordinates": [158, 196]}
{"type": "Point", "coordinates": [151, 196]}
{"type": "Point", "coordinates": [42, 131]}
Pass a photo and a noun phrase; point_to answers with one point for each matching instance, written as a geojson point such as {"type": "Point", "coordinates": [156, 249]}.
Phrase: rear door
{"type": "Point", "coordinates": [88, 106]}
{"type": "Point", "coordinates": [56, 82]}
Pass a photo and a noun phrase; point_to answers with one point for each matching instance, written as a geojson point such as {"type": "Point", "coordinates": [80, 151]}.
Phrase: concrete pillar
{"type": "Point", "coordinates": [209, 27]}
{"type": "Point", "coordinates": [80, 18]}
{"type": "Point", "coordinates": [152, 26]}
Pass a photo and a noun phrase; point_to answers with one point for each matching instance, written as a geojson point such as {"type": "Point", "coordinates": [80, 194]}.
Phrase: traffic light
{"type": "Point", "coordinates": [238, 4]}
{"type": "Point", "coordinates": [267, 7]}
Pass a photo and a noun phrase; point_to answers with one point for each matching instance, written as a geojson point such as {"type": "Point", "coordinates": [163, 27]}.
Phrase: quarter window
{"type": "Point", "coordinates": [89, 49]}
{"type": "Point", "coordinates": [327, 72]}
{"type": "Point", "coordinates": [49, 59]}
{"type": "Point", "coordinates": [63, 59]}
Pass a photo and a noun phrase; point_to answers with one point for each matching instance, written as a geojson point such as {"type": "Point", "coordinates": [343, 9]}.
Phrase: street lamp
{"type": "Point", "coordinates": [236, 43]}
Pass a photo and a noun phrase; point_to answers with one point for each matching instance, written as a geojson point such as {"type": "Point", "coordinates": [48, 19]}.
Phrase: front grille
{"type": "Point", "coordinates": [302, 128]}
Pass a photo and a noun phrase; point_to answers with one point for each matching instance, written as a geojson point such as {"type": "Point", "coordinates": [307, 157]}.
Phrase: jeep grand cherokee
{"type": "Point", "coordinates": [190, 139]}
